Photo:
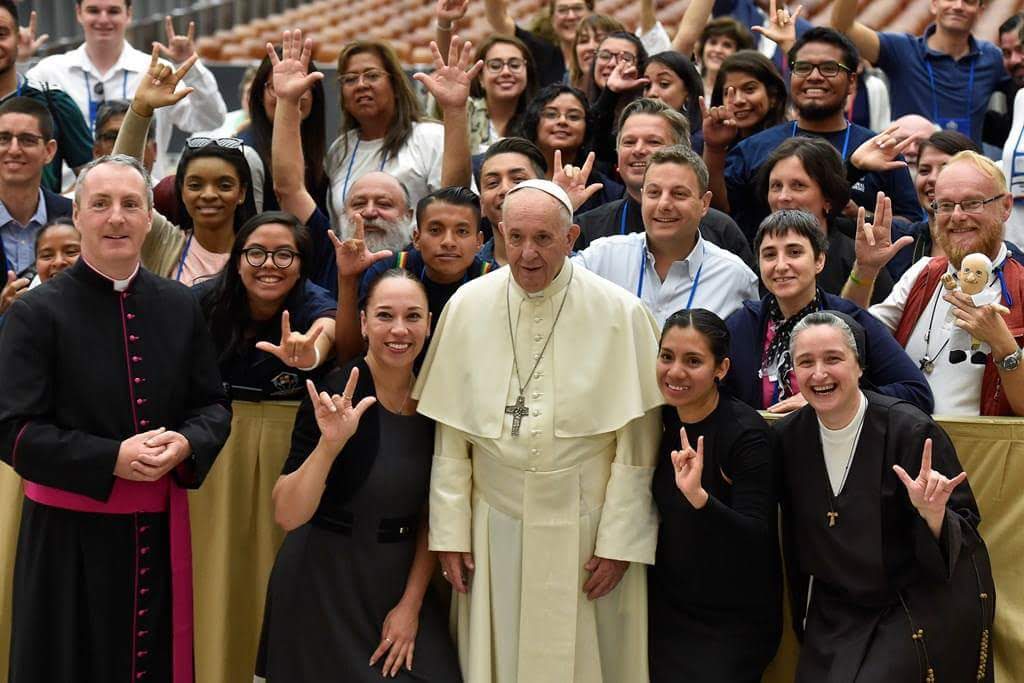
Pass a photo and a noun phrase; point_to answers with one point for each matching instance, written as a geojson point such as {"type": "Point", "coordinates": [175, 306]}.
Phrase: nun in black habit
{"type": "Point", "coordinates": [888, 576]}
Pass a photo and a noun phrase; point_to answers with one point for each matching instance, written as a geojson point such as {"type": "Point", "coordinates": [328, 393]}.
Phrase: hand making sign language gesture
{"type": "Point", "coordinates": [719, 126]}
{"type": "Point", "coordinates": [874, 246]}
{"type": "Point", "coordinates": [296, 350]}
{"type": "Point", "coordinates": [880, 152]}
{"type": "Point", "coordinates": [352, 256]}
{"type": "Point", "coordinates": [625, 77]}
{"type": "Point", "coordinates": [449, 83]}
{"type": "Point", "coordinates": [179, 47]}
{"type": "Point", "coordinates": [781, 26]}
{"type": "Point", "coordinates": [689, 466]}
{"type": "Point", "coordinates": [335, 415]}
{"type": "Point", "coordinates": [290, 72]}
{"type": "Point", "coordinates": [930, 490]}
{"type": "Point", "coordinates": [158, 87]}
{"type": "Point", "coordinates": [573, 179]}
{"type": "Point", "coordinates": [28, 43]}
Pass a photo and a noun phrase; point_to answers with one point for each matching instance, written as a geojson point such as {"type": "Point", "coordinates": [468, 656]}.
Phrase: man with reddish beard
{"type": "Point", "coordinates": [971, 204]}
{"type": "Point", "coordinates": [823, 71]}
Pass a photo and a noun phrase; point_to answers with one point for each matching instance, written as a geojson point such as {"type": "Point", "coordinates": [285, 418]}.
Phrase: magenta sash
{"type": "Point", "coordinates": [129, 497]}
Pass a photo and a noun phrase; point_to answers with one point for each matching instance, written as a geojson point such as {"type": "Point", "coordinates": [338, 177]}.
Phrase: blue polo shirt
{"type": "Point", "coordinates": [19, 241]}
{"type": "Point", "coordinates": [748, 208]}
{"type": "Point", "coordinates": [956, 97]}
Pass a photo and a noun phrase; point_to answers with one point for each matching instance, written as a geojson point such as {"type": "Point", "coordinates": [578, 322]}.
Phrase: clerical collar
{"type": "Point", "coordinates": [556, 286]}
{"type": "Point", "coordinates": [119, 285]}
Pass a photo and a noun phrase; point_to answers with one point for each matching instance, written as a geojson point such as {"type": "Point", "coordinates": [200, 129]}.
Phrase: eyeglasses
{"type": "Point", "coordinates": [572, 116]}
{"type": "Point", "coordinates": [199, 141]}
{"type": "Point", "coordinates": [257, 256]}
{"type": "Point", "coordinates": [515, 65]}
{"type": "Point", "coordinates": [608, 55]}
{"type": "Point", "coordinates": [967, 205]}
{"type": "Point", "coordinates": [370, 77]}
{"type": "Point", "coordinates": [566, 10]}
{"type": "Point", "coordinates": [26, 140]}
{"type": "Point", "coordinates": [828, 69]}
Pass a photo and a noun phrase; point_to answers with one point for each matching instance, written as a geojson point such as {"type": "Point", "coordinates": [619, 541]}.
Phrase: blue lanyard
{"type": "Point", "coordinates": [95, 104]}
{"type": "Point", "coordinates": [184, 253]}
{"type": "Point", "coordinates": [935, 94]}
{"type": "Point", "coordinates": [1002, 285]}
{"type": "Point", "coordinates": [352, 160]}
{"type": "Point", "coordinates": [846, 139]}
{"type": "Point", "coordinates": [622, 221]}
{"type": "Point", "coordinates": [643, 271]}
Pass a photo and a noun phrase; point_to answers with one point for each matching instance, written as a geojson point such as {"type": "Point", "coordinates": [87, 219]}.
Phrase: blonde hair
{"type": "Point", "coordinates": [983, 164]}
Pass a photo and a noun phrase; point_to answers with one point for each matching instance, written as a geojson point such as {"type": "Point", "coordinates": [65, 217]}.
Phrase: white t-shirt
{"type": "Point", "coordinates": [956, 388]}
{"type": "Point", "coordinates": [838, 446]}
{"type": "Point", "coordinates": [417, 165]}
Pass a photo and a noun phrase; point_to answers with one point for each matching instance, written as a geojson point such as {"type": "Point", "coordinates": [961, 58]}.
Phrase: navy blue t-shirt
{"type": "Point", "coordinates": [958, 99]}
{"type": "Point", "coordinates": [748, 208]}
{"type": "Point", "coordinates": [254, 375]}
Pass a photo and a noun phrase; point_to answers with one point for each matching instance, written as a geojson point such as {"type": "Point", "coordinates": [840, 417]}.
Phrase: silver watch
{"type": "Point", "coordinates": [1011, 362]}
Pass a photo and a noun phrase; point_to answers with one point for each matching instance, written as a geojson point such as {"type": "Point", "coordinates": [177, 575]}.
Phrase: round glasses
{"type": "Point", "coordinates": [515, 65]}
{"type": "Point", "coordinates": [281, 258]}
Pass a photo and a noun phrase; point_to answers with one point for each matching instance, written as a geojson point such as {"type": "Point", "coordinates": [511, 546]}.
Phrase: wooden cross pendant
{"type": "Point", "coordinates": [518, 411]}
{"type": "Point", "coordinates": [832, 516]}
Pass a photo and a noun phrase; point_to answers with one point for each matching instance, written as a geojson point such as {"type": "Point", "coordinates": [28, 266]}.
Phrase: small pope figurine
{"type": "Point", "coordinates": [973, 278]}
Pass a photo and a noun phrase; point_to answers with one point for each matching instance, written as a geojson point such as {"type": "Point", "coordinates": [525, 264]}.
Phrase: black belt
{"type": "Point", "coordinates": [389, 529]}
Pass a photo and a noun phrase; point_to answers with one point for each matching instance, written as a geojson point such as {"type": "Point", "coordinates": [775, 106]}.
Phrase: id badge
{"type": "Point", "coordinates": [961, 125]}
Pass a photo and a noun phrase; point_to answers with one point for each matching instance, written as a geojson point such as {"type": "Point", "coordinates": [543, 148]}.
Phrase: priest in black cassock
{"type": "Point", "coordinates": [112, 407]}
{"type": "Point", "coordinates": [888, 576]}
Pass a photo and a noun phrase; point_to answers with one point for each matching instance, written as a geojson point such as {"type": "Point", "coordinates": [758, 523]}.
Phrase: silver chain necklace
{"type": "Point", "coordinates": [518, 410]}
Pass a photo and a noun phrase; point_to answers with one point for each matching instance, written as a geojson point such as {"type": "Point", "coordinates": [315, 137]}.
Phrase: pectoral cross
{"type": "Point", "coordinates": [518, 411]}
{"type": "Point", "coordinates": [832, 516]}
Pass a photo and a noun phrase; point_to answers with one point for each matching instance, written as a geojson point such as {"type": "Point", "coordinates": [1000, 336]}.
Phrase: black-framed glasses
{"type": "Point", "coordinates": [281, 258]}
{"type": "Point", "coordinates": [514, 64]}
{"type": "Point", "coordinates": [608, 55]}
{"type": "Point", "coordinates": [26, 140]}
{"type": "Point", "coordinates": [967, 205]}
{"type": "Point", "coordinates": [829, 69]}
{"type": "Point", "coordinates": [200, 141]}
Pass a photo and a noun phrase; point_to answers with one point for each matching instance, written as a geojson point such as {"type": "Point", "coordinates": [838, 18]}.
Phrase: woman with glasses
{"type": "Point", "coordinates": [213, 185]}
{"type": "Point", "coordinates": [615, 79]}
{"type": "Point", "coordinates": [498, 97]}
{"type": "Point", "coordinates": [715, 589]}
{"type": "Point", "coordinates": [748, 91]}
{"type": "Point", "coordinates": [350, 596]}
{"type": "Point", "coordinates": [791, 252]}
{"type": "Point", "coordinates": [383, 127]}
{"type": "Point", "coordinates": [589, 35]}
{"type": "Point", "coordinates": [889, 579]}
{"type": "Point", "coordinates": [557, 120]}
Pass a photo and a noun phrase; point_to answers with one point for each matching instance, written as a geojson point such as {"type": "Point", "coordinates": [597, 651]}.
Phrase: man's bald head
{"type": "Point", "coordinates": [383, 203]}
{"type": "Point", "coordinates": [913, 124]}
{"type": "Point", "coordinates": [377, 184]}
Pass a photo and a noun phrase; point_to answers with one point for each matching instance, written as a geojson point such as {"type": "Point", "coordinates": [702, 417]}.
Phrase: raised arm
{"type": "Point", "coordinates": [648, 18]}
{"type": "Point", "coordinates": [780, 26]}
{"type": "Point", "coordinates": [450, 87]}
{"type": "Point", "coordinates": [206, 110]}
{"type": "Point", "coordinates": [873, 248]}
{"type": "Point", "coordinates": [719, 133]}
{"type": "Point", "coordinates": [446, 15]}
{"type": "Point", "coordinates": [690, 26]}
{"type": "Point", "coordinates": [291, 79]}
{"type": "Point", "coordinates": [844, 20]}
{"type": "Point", "coordinates": [498, 17]}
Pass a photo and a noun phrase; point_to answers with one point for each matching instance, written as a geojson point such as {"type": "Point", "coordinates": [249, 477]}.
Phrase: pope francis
{"type": "Point", "coordinates": [541, 379]}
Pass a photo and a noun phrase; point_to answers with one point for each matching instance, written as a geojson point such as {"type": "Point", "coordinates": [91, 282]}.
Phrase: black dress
{"type": "Point", "coordinates": [888, 602]}
{"type": "Point", "coordinates": [715, 590]}
{"type": "Point", "coordinates": [337, 577]}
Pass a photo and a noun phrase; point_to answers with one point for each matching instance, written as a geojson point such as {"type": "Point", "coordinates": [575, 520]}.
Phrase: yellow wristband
{"type": "Point", "coordinates": [860, 283]}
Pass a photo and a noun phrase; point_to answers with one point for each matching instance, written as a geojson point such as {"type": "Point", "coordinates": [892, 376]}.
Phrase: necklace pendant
{"type": "Point", "coordinates": [832, 517]}
{"type": "Point", "coordinates": [927, 365]}
{"type": "Point", "coordinates": [518, 411]}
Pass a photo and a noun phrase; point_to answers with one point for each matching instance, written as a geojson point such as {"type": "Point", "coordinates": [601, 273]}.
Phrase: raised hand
{"type": "Point", "coordinates": [290, 75]}
{"type": "Point", "coordinates": [449, 84]}
{"type": "Point", "coordinates": [179, 47]}
{"type": "Point", "coordinates": [397, 639]}
{"type": "Point", "coordinates": [689, 465]}
{"type": "Point", "coordinates": [719, 126]}
{"type": "Point", "coordinates": [624, 77]}
{"type": "Point", "coordinates": [15, 287]}
{"type": "Point", "coordinates": [336, 417]}
{"type": "Point", "coordinates": [351, 255]}
{"type": "Point", "coordinates": [28, 43]}
{"type": "Point", "coordinates": [296, 350]}
{"type": "Point", "coordinates": [930, 490]}
{"type": "Point", "coordinates": [157, 87]}
{"type": "Point", "coordinates": [880, 152]}
{"type": "Point", "coordinates": [781, 26]}
{"type": "Point", "coordinates": [574, 180]}
{"type": "Point", "coordinates": [448, 12]}
{"type": "Point", "coordinates": [874, 246]}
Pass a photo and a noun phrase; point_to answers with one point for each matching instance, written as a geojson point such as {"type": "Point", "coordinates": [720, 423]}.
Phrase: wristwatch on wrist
{"type": "Point", "coordinates": [1011, 362]}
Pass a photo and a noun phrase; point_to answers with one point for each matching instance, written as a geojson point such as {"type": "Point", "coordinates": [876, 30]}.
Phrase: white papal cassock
{"type": "Point", "coordinates": [575, 483]}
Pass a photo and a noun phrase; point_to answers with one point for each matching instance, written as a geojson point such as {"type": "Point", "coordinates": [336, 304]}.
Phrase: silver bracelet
{"type": "Point", "coordinates": [316, 362]}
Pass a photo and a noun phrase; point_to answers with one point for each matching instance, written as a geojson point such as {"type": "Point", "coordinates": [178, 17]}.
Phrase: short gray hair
{"type": "Point", "coordinates": [676, 121]}
{"type": "Point", "coordinates": [119, 160]}
{"type": "Point", "coordinates": [829, 320]}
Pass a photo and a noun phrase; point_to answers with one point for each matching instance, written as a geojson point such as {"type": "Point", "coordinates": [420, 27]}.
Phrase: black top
{"type": "Point", "coordinates": [87, 367]}
{"type": "Point", "coordinates": [547, 57]}
{"type": "Point", "coordinates": [607, 219]}
{"type": "Point", "coordinates": [839, 260]}
{"type": "Point", "coordinates": [724, 555]}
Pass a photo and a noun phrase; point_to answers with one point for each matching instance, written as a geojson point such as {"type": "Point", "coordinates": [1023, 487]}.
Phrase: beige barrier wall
{"type": "Point", "coordinates": [235, 539]}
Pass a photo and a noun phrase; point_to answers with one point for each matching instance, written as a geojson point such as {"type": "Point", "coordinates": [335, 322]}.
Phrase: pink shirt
{"type": "Point", "coordinates": [198, 264]}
